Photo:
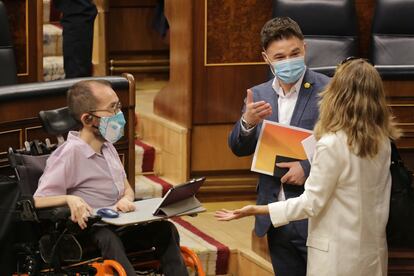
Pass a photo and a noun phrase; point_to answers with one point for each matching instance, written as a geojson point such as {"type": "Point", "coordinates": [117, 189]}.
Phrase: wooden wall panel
{"type": "Point", "coordinates": [236, 21]}
{"type": "Point", "coordinates": [12, 137]}
{"type": "Point", "coordinates": [174, 101]}
{"type": "Point", "coordinates": [404, 113]}
{"type": "Point", "coordinates": [100, 49]}
{"type": "Point", "coordinates": [226, 58]}
{"type": "Point", "coordinates": [365, 12]}
{"type": "Point", "coordinates": [132, 43]}
{"type": "Point", "coordinates": [221, 90]}
{"type": "Point", "coordinates": [230, 40]}
{"type": "Point", "coordinates": [396, 90]}
{"type": "Point", "coordinates": [227, 175]}
{"type": "Point", "coordinates": [210, 152]}
{"type": "Point", "coordinates": [16, 11]}
{"type": "Point", "coordinates": [25, 20]}
{"type": "Point", "coordinates": [135, 19]}
{"type": "Point", "coordinates": [233, 30]}
{"type": "Point", "coordinates": [400, 96]}
{"type": "Point", "coordinates": [233, 57]}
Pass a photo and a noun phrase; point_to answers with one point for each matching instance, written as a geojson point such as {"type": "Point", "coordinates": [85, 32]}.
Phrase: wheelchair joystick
{"type": "Point", "coordinates": [74, 228]}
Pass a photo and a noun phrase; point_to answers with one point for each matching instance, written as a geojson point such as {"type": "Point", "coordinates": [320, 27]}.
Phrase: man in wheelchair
{"type": "Point", "coordinates": [85, 172]}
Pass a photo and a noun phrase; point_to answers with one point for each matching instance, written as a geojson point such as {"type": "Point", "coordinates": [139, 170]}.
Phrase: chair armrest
{"type": "Point", "coordinates": [74, 228]}
{"type": "Point", "coordinates": [53, 213]}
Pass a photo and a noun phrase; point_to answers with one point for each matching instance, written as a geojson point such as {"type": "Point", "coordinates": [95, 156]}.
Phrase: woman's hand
{"type": "Point", "coordinates": [249, 210]}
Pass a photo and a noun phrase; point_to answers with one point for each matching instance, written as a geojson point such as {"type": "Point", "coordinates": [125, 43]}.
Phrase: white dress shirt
{"type": "Point", "coordinates": [286, 104]}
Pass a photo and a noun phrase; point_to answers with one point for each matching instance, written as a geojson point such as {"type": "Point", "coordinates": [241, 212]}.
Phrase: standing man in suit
{"type": "Point", "coordinates": [78, 17]}
{"type": "Point", "coordinates": [290, 98]}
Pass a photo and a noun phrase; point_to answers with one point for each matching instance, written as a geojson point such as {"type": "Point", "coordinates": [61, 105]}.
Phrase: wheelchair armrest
{"type": "Point", "coordinates": [53, 213]}
{"type": "Point", "coordinates": [25, 210]}
{"type": "Point", "coordinates": [74, 228]}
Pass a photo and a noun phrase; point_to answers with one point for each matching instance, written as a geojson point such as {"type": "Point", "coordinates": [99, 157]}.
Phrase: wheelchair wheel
{"type": "Point", "coordinates": [192, 260]}
{"type": "Point", "coordinates": [108, 267]}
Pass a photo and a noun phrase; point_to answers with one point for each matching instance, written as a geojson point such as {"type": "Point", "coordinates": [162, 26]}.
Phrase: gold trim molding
{"type": "Point", "coordinates": [27, 42]}
{"type": "Point", "coordinates": [18, 130]}
{"type": "Point", "coordinates": [30, 128]}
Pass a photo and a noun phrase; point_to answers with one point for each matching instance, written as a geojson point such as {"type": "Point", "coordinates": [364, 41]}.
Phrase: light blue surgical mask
{"type": "Point", "coordinates": [112, 127]}
{"type": "Point", "coordinates": [289, 70]}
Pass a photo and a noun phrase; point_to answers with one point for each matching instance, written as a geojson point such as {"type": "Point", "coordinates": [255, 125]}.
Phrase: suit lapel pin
{"type": "Point", "coordinates": [307, 85]}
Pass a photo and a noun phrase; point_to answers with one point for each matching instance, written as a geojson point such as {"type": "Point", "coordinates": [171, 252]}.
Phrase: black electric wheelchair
{"type": "Point", "coordinates": [45, 241]}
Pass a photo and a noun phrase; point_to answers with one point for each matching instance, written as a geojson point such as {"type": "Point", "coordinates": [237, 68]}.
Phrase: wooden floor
{"type": "Point", "coordinates": [237, 235]}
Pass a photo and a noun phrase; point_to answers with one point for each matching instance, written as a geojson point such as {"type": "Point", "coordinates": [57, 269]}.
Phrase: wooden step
{"type": "Point", "coordinates": [139, 66]}
{"type": "Point", "coordinates": [139, 69]}
{"type": "Point", "coordinates": [139, 62]}
{"type": "Point", "coordinates": [46, 11]}
{"type": "Point", "coordinates": [144, 169]}
{"type": "Point", "coordinates": [53, 68]}
{"type": "Point", "coordinates": [52, 40]}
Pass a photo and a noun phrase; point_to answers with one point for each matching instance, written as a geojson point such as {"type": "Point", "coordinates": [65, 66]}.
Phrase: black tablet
{"type": "Point", "coordinates": [182, 191]}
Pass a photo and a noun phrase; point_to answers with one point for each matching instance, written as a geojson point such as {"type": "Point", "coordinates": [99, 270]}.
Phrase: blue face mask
{"type": "Point", "coordinates": [112, 128]}
{"type": "Point", "coordinates": [289, 70]}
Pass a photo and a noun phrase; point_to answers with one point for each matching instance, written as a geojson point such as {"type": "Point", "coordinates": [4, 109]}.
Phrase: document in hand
{"type": "Point", "coordinates": [309, 144]}
{"type": "Point", "coordinates": [178, 201]}
{"type": "Point", "coordinates": [278, 140]}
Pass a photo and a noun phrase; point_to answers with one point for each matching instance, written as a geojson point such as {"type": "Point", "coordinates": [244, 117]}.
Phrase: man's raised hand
{"type": "Point", "coordinates": [255, 111]}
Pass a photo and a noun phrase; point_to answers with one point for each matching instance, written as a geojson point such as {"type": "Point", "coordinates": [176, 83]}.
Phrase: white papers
{"type": "Point", "coordinates": [309, 144]}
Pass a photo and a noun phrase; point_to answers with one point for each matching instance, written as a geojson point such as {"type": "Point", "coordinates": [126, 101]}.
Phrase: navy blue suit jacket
{"type": "Point", "coordinates": [304, 115]}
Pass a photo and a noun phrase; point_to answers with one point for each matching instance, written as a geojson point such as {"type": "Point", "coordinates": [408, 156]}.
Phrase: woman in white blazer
{"type": "Point", "coordinates": [347, 193]}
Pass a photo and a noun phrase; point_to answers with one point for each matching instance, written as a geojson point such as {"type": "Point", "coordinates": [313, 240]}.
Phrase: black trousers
{"type": "Point", "coordinates": [288, 250]}
{"type": "Point", "coordinates": [160, 234]}
{"type": "Point", "coordinates": [77, 21]}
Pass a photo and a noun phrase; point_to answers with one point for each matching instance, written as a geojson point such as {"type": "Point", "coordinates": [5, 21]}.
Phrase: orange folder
{"type": "Point", "coordinates": [276, 139]}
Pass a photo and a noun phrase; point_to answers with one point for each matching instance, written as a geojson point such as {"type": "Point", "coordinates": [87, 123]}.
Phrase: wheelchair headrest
{"type": "Point", "coordinates": [57, 121]}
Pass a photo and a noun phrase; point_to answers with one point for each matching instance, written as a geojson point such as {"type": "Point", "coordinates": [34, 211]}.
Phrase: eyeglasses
{"type": "Point", "coordinates": [114, 110]}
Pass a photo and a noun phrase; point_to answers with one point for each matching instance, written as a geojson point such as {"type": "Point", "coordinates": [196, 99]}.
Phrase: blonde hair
{"type": "Point", "coordinates": [354, 102]}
